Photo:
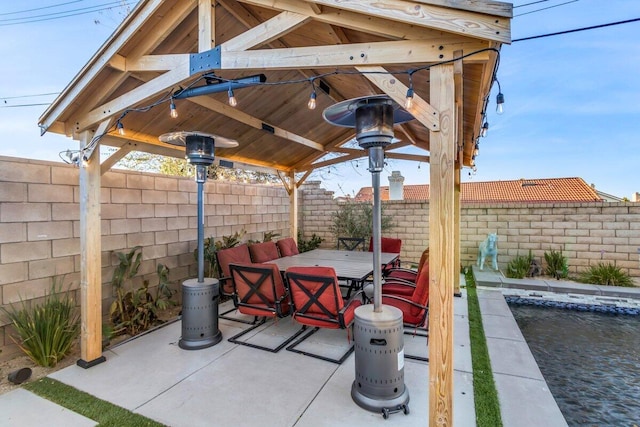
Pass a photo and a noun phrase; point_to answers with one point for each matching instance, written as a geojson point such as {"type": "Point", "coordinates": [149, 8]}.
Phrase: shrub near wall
{"type": "Point", "coordinates": [40, 227]}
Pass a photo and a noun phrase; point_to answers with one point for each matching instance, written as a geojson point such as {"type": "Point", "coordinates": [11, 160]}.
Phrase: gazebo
{"type": "Point", "coordinates": [249, 70]}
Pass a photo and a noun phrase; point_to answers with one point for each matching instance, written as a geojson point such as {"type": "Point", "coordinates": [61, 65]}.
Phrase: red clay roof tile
{"type": "Point", "coordinates": [521, 190]}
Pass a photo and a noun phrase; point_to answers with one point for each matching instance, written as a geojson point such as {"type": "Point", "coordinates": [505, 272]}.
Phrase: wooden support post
{"type": "Point", "coordinates": [206, 25]}
{"type": "Point", "coordinates": [90, 259]}
{"type": "Point", "coordinates": [459, 141]}
{"type": "Point", "coordinates": [293, 206]}
{"type": "Point", "coordinates": [441, 237]}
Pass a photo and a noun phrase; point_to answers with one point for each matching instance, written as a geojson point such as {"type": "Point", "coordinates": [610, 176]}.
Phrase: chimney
{"type": "Point", "coordinates": [396, 186]}
{"type": "Point", "coordinates": [635, 197]}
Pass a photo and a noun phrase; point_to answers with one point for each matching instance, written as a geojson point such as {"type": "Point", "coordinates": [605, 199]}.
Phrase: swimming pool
{"type": "Point", "coordinates": [590, 360]}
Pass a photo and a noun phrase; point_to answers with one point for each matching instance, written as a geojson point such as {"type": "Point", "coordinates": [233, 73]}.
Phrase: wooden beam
{"type": "Point", "coordinates": [441, 236]}
{"type": "Point", "coordinates": [403, 156]}
{"type": "Point", "coordinates": [136, 96]}
{"type": "Point", "coordinates": [155, 62]}
{"type": "Point", "coordinates": [90, 260]}
{"type": "Point", "coordinates": [458, 82]}
{"type": "Point", "coordinates": [421, 110]}
{"type": "Point", "coordinates": [242, 117]}
{"type": "Point", "coordinates": [352, 20]}
{"type": "Point", "coordinates": [356, 54]}
{"type": "Point", "coordinates": [453, 20]}
{"type": "Point", "coordinates": [293, 207]}
{"type": "Point", "coordinates": [263, 33]}
{"type": "Point", "coordinates": [206, 25]}
{"type": "Point", "coordinates": [114, 158]}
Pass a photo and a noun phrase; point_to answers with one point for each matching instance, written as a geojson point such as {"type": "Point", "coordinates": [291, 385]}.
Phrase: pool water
{"type": "Point", "coordinates": [591, 362]}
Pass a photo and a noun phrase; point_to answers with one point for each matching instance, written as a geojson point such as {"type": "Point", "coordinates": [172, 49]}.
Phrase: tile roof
{"type": "Point", "coordinates": [521, 190]}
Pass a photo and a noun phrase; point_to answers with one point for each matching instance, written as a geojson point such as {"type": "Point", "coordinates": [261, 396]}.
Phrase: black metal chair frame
{"type": "Point", "coordinates": [314, 300]}
{"type": "Point", "coordinates": [274, 308]}
{"type": "Point", "coordinates": [234, 297]}
{"type": "Point", "coordinates": [351, 243]}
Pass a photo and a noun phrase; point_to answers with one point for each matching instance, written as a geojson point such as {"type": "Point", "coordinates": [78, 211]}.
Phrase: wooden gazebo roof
{"type": "Point", "coordinates": [363, 46]}
{"type": "Point", "coordinates": [445, 50]}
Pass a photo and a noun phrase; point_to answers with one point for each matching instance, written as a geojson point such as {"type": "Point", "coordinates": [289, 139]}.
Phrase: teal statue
{"type": "Point", "coordinates": [488, 247]}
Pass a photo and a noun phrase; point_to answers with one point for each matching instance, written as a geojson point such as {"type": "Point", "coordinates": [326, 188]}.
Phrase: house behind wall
{"type": "Point", "coordinates": [39, 226]}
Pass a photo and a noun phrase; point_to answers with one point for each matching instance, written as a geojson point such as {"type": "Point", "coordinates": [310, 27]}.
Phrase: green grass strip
{"type": "Point", "coordinates": [104, 413]}
{"type": "Point", "coordinates": [484, 388]}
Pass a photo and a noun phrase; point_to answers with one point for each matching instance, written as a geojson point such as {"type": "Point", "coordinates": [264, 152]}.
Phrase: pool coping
{"type": "Point", "coordinates": [523, 393]}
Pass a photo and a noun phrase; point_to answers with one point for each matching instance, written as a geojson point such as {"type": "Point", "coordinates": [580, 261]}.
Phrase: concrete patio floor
{"type": "Point", "coordinates": [235, 385]}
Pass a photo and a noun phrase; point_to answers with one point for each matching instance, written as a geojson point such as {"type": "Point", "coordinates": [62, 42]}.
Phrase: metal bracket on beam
{"type": "Point", "coordinates": [205, 61]}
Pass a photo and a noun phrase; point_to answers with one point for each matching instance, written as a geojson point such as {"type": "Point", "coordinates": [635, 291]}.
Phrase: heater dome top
{"type": "Point", "coordinates": [344, 113]}
{"type": "Point", "coordinates": [180, 138]}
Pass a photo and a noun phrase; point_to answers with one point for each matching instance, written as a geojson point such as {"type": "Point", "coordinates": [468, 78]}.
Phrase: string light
{"type": "Point", "coordinates": [173, 112]}
{"type": "Point", "coordinates": [232, 99]}
{"type": "Point", "coordinates": [408, 101]}
{"type": "Point", "coordinates": [499, 99]}
{"type": "Point", "coordinates": [476, 150]}
{"type": "Point", "coordinates": [120, 128]}
{"type": "Point", "coordinates": [311, 105]}
{"type": "Point", "coordinates": [485, 129]}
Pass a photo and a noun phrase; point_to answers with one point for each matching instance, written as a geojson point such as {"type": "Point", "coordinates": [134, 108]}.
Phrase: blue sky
{"type": "Point", "coordinates": [572, 102]}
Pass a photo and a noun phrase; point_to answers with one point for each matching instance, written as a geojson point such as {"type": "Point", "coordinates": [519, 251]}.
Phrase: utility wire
{"type": "Point", "coordinates": [57, 14]}
{"type": "Point", "coordinates": [593, 27]}
{"type": "Point", "coordinates": [545, 8]}
{"type": "Point", "coordinates": [28, 96]}
{"type": "Point", "coordinates": [40, 8]}
{"type": "Point", "coordinates": [49, 17]}
{"type": "Point", "coordinates": [529, 4]}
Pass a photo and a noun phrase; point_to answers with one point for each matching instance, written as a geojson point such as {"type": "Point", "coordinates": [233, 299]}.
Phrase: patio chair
{"type": "Point", "coordinates": [261, 293]}
{"type": "Point", "coordinates": [394, 275]}
{"type": "Point", "coordinates": [351, 243]}
{"type": "Point", "coordinates": [415, 307]}
{"type": "Point", "coordinates": [263, 252]}
{"type": "Point", "coordinates": [317, 302]}
{"type": "Point", "coordinates": [237, 254]}
{"type": "Point", "coordinates": [388, 244]}
{"type": "Point", "coordinates": [287, 247]}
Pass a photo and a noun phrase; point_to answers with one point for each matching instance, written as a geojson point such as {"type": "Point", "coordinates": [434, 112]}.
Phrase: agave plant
{"type": "Point", "coordinates": [606, 274]}
{"type": "Point", "coordinates": [556, 264]}
{"type": "Point", "coordinates": [46, 331]}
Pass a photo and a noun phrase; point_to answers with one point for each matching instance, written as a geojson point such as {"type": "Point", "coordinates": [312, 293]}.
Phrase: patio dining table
{"type": "Point", "coordinates": [349, 265]}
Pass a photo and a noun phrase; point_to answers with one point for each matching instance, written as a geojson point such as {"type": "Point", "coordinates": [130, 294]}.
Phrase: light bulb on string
{"type": "Point", "coordinates": [120, 128]}
{"type": "Point", "coordinates": [232, 99]}
{"type": "Point", "coordinates": [485, 129]}
{"type": "Point", "coordinates": [311, 105]}
{"type": "Point", "coordinates": [173, 112]}
{"type": "Point", "coordinates": [500, 103]}
{"type": "Point", "coordinates": [408, 101]}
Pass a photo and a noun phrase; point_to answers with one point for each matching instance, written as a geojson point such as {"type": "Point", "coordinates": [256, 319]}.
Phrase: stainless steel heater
{"type": "Point", "coordinates": [199, 296]}
{"type": "Point", "coordinates": [378, 330]}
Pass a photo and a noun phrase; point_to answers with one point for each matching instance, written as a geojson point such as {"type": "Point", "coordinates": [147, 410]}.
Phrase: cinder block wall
{"type": "Point", "coordinates": [587, 233]}
{"type": "Point", "coordinates": [40, 225]}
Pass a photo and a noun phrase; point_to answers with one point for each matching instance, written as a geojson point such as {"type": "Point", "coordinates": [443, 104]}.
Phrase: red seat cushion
{"type": "Point", "coordinates": [263, 252]}
{"type": "Point", "coordinates": [236, 255]}
{"type": "Point", "coordinates": [287, 247]}
{"type": "Point", "coordinates": [272, 289]}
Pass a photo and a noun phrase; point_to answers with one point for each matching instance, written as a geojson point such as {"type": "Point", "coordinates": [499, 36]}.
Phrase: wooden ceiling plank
{"type": "Point", "coordinates": [403, 156]}
{"type": "Point", "coordinates": [392, 52]}
{"type": "Point", "coordinates": [129, 27]}
{"type": "Point", "coordinates": [265, 32]}
{"type": "Point", "coordinates": [140, 94]}
{"type": "Point", "coordinates": [206, 25]}
{"type": "Point", "coordinates": [457, 21]}
{"type": "Point", "coordinates": [421, 109]}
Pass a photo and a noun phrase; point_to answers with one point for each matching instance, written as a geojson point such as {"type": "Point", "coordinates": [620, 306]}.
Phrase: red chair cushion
{"type": "Point", "coordinates": [272, 289]}
{"type": "Point", "coordinates": [236, 255]}
{"type": "Point", "coordinates": [287, 247]}
{"type": "Point", "coordinates": [263, 252]}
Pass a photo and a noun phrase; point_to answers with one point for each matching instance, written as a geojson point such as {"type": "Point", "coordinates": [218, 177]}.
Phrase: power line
{"type": "Point", "coordinates": [593, 27]}
{"type": "Point", "coordinates": [29, 96]}
{"type": "Point", "coordinates": [529, 4]}
{"type": "Point", "coordinates": [545, 8]}
{"type": "Point", "coordinates": [24, 105]}
{"type": "Point", "coordinates": [62, 14]}
{"type": "Point", "coordinates": [40, 8]}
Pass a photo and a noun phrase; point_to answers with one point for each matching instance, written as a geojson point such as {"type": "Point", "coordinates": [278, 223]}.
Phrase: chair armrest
{"type": "Point", "coordinates": [401, 270]}
{"type": "Point", "coordinates": [398, 281]}
{"type": "Point", "coordinates": [411, 303]}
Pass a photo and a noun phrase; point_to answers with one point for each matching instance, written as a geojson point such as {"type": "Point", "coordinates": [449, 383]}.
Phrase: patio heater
{"type": "Point", "coordinates": [199, 296]}
{"type": "Point", "coordinates": [378, 329]}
